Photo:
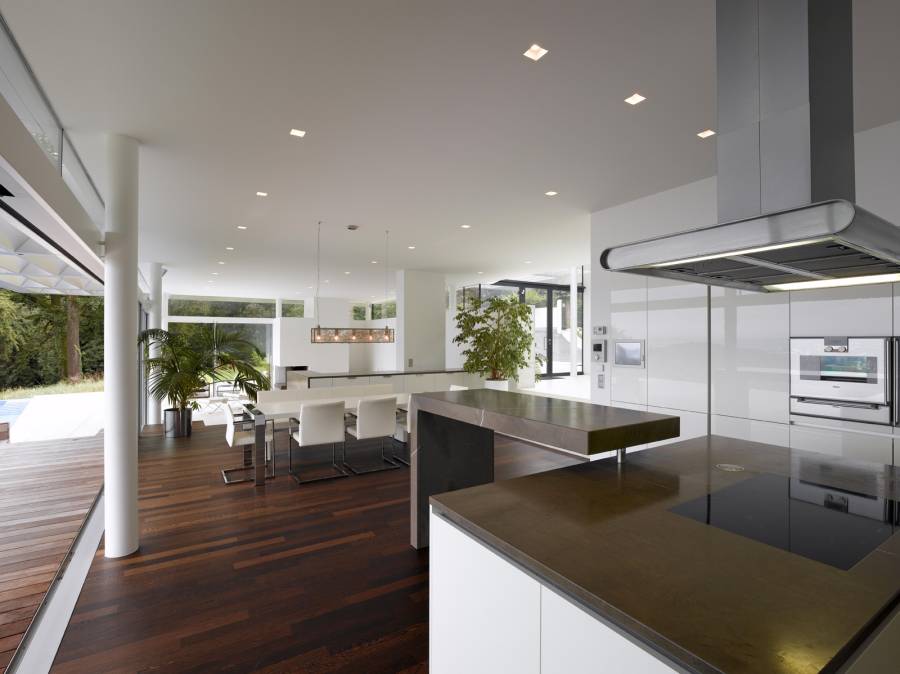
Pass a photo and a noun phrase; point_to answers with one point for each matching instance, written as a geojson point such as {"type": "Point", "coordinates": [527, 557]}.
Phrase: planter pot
{"type": "Point", "coordinates": [178, 422]}
{"type": "Point", "coordinates": [497, 384]}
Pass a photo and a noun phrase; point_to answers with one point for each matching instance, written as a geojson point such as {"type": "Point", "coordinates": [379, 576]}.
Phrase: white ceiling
{"type": "Point", "coordinates": [421, 116]}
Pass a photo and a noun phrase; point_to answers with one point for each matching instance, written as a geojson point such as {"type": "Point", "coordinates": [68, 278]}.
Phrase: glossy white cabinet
{"type": "Point", "coordinates": [693, 424]}
{"type": "Point", "coordinates": [419, 383]}
{"type": "Point", "coordinates": [575, 642]}
{"type": "Point", "coordinates": [860, 442]}
{"type": "Point", "coordinates": [484, 613]}
{"type": "Point", "coordinates": [860, 311]}
{"type": "Point", "coordinates": [676, 345]}
{"type": "Point", "coordinates": [628, 321]}
{"type": "Point", "coordinates": [751, 354]}
{"type": "Point", "coordinates": [897, 309]}
{"type": "Point", "coordinates": [752, 430]}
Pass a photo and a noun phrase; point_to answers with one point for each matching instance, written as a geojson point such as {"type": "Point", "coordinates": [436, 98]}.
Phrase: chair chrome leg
{"type": "Point", "coordinates": [339, 472]}
{"type": "Point", "coordinates": [387, 464]}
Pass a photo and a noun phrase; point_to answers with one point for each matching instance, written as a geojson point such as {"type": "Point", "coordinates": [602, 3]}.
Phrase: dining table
{"type": "Point", "coordinates": [261, 414]}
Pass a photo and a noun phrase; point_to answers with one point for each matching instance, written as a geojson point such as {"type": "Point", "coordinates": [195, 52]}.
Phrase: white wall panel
{"type": "Point", "coordinates": [862, 311]}
{"type": "Point", "coordinates": [693, 424]}
{"type": "Point", "coordinates": [752, 430]}
{"type": "Point", "coordinates": [751, 354]}
{"type": "Point", "coordinates": [676, 345]}
{"type": "Point", "coordinates": [628, 320]}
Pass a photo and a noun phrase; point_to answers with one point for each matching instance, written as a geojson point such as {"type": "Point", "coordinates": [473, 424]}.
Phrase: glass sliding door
{"type": "Point", "coordinates": [537, 298]}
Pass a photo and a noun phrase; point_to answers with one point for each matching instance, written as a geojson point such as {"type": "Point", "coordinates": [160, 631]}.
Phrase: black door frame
{"type": "Point", "coordinates": [550, 288]}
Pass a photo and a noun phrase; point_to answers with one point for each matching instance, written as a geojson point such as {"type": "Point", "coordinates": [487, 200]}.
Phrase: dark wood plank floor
{"type": "Point", "coordinates": [318, 578]}
{"type": "Point", "coordinates": [46, 490]}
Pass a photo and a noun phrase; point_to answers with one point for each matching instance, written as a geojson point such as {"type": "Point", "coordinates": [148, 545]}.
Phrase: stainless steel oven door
{"type": "Point", "coordinates": [854, 371]}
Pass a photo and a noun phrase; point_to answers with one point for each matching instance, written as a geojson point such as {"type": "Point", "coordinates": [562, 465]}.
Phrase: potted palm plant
{"type": "Point", "coordinates": [178, 367]}
{"type": "Point", "coordinates": [498, 339]}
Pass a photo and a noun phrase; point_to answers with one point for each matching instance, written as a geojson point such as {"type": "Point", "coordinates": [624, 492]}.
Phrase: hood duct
{"type": "Point", "coordinates": [785, 165]}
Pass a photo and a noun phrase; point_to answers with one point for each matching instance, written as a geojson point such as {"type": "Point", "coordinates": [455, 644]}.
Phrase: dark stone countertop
{"type": "Point", "coordinates": [710, 599]}
{"type": "Point", "coordinates": [576, 426]}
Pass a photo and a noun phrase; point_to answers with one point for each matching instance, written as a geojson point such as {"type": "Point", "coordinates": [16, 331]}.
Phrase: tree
{"type": "Point", "coordinates": [497, 336]}
{"type": "Point", "coordinates": [73, 340]}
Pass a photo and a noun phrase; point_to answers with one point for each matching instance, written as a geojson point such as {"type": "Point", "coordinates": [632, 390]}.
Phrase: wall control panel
{"type": "Point", "coordinates": [598, 353]}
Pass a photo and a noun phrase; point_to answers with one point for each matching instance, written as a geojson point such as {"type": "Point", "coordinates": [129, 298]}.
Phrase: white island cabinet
{"type": "Point", "coordinates": [487, 617]}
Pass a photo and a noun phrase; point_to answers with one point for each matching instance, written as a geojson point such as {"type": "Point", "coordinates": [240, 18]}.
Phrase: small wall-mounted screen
{"type": "Point", "coordinates": [630, 353]}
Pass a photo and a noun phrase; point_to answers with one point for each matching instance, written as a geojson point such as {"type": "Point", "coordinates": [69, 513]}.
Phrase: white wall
{"type": "Point", "coordinates": [750, 331]}
{"type": "Point", "coordinates": [421, 318]}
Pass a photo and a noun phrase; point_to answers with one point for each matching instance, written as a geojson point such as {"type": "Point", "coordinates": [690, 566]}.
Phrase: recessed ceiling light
{"type": "Point", "coordinates": [221, 262]}
{"type": "Point", "coordinates": [327, 281]}
{"type": "Point", "coordinates": [527, 261]}
{"type": "Point", "coordinates": [298, 132]}
{"type": "Point", "coordinates": [707, 133]}
{"type": "Point", "coordinates": [635, 98]}
{"type": "Point", "coordinates": [481, 272]}
{"type": "Point", "coordinates": [229, 247]}
{"type": "Point", "coordinates": [215, 273]}
{"type": "Point", "coordinates": [551, 193]}
{"type": "Point", "coordinates": [411, 247]}
{"type": "Point", "coordinates": [535, 52]}
{"type": "Point", "coordinates": [262, 194]}
{"type": "Point", "coordinates": [242, 226]}
{"type": "Point", "coordinates": [347, 273]}
{"type": "Point", "coordinates": [310, 287]}
{"type": "Point", "coordinates": [465, 226]}
{"type": "Point", "coordinates": [374, 261]}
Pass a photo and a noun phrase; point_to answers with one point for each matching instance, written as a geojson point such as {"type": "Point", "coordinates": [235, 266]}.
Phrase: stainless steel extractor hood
{"type": "Point", "coordinates": [785, 174]}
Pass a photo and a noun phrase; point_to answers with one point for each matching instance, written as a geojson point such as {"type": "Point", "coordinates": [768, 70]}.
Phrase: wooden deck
{"type": "Point", "coordinates": [312, 578]}
{"type": "Point", "coordinates": [46, 490]}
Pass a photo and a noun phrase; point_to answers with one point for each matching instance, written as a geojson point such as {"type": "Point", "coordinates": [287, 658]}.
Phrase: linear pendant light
{"type": "Point", "coordinates": [320, 335]}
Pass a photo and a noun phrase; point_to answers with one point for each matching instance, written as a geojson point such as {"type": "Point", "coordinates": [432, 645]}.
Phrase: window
{"type": "Point", "coordinates": [358, 312]}
{"type": "Point", "coordinates": [292, 309]}
{"type": "Point", "coordinates": [384, 310]}
{"type": "Point", "coordinates": [464, 296]}
{"type": "Point", "coordinates": [198, 306]}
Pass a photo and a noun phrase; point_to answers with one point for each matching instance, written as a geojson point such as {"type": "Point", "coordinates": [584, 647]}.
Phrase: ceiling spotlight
{"type": "Point", "coordinates": [262, 194]}
{"type": "Point", "coordinates": [242, 227]}
{"type": "Point", "coordinates": [481, 272]}
{"type": "Point", "coordinates": [535, 52]}
{"type": "Point", "coordinates": [229, 247]}
{"type": "Point", "coordinates": [635, 98]}
{"type": "Point", "coordinates": [551, 193]}
{"type": "Point", "coordinates": [298, 132]}
{"type": "Point", "coordinates": [327, 281]}
{"type": "Point", "coordinates": [411, 247]}
{"type": "Point", "coordinates": [221, 262]}
{"type": "Point", "coordinates": [527, 261]}
{"type": "Point", "coordinates": [347, 273]}
{"type": "Point", "coordinates": [465, 226]}
{"type": "Point", "coordinates": [215, 273]}
{"type": "Point", "coordinates": [374, 261]}
{"type": "Point", "coordinates": [707, 133]}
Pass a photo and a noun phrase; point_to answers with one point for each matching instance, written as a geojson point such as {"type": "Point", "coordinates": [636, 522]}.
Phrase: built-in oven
{"type": "Point", "coordinates": [850, 378]}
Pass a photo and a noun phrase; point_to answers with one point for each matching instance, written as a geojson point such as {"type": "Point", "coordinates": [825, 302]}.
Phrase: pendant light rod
{"type": "Point", "coordinates": [318, 264]}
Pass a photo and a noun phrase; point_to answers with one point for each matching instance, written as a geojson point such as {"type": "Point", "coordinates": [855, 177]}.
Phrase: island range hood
{"type": "Point", "coordinates": [785, 162]}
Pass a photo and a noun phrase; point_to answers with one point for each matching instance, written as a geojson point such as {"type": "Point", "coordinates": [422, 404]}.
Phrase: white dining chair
{"type": "Point", "coordinates": [375, 418]}
{"type": "Point", "coordinates": [239, 433]}
{"type": "Point", "coordinates": [318, 424]}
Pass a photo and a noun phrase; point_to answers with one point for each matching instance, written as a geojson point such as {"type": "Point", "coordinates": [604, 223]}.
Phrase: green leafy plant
{"type": "Point", "coordinates": [182, 366]}
{"type": "Point", "coordinates": [497, 336]}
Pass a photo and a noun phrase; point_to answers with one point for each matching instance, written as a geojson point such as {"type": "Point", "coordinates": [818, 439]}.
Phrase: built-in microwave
{"type": "Point", "coordinates": [845, 378]}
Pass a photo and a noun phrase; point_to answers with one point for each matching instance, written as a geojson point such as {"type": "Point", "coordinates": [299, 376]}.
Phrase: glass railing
{"type": "Point", "coordinates": [24, 95]}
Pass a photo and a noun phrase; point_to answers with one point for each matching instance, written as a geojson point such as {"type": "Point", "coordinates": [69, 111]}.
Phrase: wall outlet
{"type": "Point", "coordinates": [409, 362]}
{"type": "Point", "coordinates": [601, 381]}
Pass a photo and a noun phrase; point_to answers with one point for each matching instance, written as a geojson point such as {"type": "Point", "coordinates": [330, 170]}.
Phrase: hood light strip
{"type": "Point", "coordinates": [836, 282]}
{"type": "Point", "coordinates": [735, 253]}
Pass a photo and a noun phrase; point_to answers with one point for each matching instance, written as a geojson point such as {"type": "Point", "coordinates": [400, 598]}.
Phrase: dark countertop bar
{"type": "Point", "coordinates": [578, 427]}
{"type": "Point", "coordinates": [604, 535]}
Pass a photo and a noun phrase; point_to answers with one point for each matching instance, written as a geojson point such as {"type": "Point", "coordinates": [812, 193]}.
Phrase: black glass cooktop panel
{"type": "Point", "coordinates": [825, 524]}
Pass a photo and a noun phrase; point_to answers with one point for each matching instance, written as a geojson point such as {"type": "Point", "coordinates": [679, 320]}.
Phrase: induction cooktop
{"type": "Point", "coordinates": [828, 525]}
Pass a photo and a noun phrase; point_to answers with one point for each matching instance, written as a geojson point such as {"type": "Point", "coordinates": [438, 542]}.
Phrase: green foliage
{"type": "Point", "coordinates": [292, 308]}
{"type": "Point", "coordinates": [179, 306]}
{"type": "Point", "coordinates": [384, 310]}
{"type": "Point", "coordinates": [33, 338]}
{"type": "Point", "coordinates": [497, 336]}
{"type": "Point", "coordinates": [188, 361]}
{"type": "Point", "coordinates": [358, 312]}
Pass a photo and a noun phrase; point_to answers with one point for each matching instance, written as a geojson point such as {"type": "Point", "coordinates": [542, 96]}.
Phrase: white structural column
{"type": "Point", "coordinates": [120, 444]}
{"type": "Point", "coordinates": [573, 324]}
{"type": "Point", "coordinates": [154, 406]}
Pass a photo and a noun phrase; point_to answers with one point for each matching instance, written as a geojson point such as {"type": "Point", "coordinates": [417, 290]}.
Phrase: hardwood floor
{"type": "Point", "coordinates": [312, 578]}
{"type": "Point", "coordinates": [46, 491]}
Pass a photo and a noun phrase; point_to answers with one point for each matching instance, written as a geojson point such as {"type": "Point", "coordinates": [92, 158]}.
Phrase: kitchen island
{"type": "Point", "coordinates": [452, 437]}
{"type": "Point", "coordinates": [707, 555]}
